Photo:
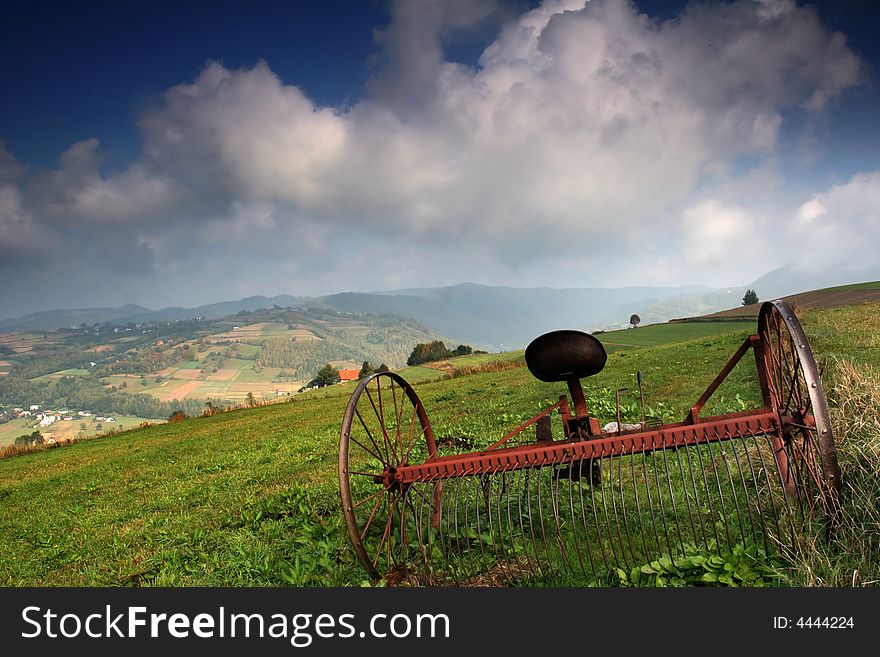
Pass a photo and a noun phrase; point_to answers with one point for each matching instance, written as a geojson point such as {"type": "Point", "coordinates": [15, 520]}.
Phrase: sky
{"type": "Point", "coordinates": [166, 153]}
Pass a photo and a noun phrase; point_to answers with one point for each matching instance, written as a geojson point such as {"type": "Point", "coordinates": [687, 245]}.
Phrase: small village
{"type": "Point", "coordinates": [46, 417]}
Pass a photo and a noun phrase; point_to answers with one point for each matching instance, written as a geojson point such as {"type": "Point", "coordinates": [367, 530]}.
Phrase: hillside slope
{"type": "Point", "coordinates": [831, 297]}
{"type": "Point", "coordinates": [249, 498]}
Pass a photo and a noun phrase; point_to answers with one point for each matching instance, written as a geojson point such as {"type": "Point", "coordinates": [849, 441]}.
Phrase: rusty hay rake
{"type": "Point", "coordinates": [582, 499]}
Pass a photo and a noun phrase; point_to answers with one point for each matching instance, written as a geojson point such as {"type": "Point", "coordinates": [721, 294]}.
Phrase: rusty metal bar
{"type": "Point", "coordinates": [671, 436]}
{"type": "Point", "coordinates": [693, 415]}
{"type": "Point", "coordinates": [525, 425]}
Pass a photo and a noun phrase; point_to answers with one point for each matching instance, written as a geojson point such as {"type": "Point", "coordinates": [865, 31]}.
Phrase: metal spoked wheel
{"type": "Point", "coordinates": [808, 464]}
{"type": "Point", "coordinates": [385, 426]}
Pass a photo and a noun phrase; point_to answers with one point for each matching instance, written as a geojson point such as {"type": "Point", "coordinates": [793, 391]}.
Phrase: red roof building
{"type": "Point", "coordinates": [348, 375]}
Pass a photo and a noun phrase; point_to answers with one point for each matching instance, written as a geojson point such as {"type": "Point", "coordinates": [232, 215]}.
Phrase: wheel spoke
{"type": "Point", "coordinates": [381, 419]}
{"type": "Point", "coordinates": [384, 535]}
{"type": "Point", "coordinates": [367, 499]}
{"type": "Point", "coordinates": [372, 515]}
{"type": "Point", "coordinates": [386, 460]}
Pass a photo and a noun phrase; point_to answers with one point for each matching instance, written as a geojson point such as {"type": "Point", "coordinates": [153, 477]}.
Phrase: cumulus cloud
{"type": "Point", "coordinates": [839, 227]}
{"type": "Point", "coordinates": [584, 123]}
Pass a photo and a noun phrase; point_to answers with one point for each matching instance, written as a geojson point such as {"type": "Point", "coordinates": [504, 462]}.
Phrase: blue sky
{"type": "Point", "coordinates": [172, 153]}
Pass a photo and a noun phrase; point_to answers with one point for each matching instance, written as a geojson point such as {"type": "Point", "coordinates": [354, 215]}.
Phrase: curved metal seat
{"type": "Point", "coordinates": [562, 355]}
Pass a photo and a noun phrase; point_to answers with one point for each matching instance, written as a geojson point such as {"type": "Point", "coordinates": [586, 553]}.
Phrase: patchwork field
{"type": "Point", "coordinates": [263, 330]}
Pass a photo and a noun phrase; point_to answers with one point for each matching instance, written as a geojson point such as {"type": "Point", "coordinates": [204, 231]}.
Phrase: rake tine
{"type": "Point", "coordinates": [546, 550]}
{"type": "Point", "coordinates": [520, 474]}
{"type": "Point", "coordinates": [709, 504]}
{"type": "Point", "coordinates": [608, 523]}
{"type": "Point", "coordinates": [424, 545]}
{"type": "Point", "coordinates": [434, 531]}
{"type": "Point", "coordinates": [697, 506]}
{"type": "Point", "coordinates": [660, 498]}
{"type": "Point", "coordinates": [535, 548]}
{"type": "Point", "coordinates": [720, 495]}
{"type": "Point", "coordinates": [769, 489]}
{"type": "Point", "coordinates": [462, 534]}
{"type": "Point", "coordinates": [584, 514]}
{"type": "Point", "coordinates": [635, 486]}
{"type": "Point", "coordinates": [554, 498]}
{"type": "Point", "coordinates": [687, 498]}
{"type": "Point", "coordinates": [450, 524]}
{"type": "Point", "coordinates": [539, 487]}
{"type": "Point", "coordinates": [617, 522]}
{"type": "Point", "coordinates": [789, 513]}
{"type": "Point", "coordinates": [479, 483]}
{"type": "Point", "coordinates": [512, 561]}
{"type": "Point", "coordinates": [665, 453]}
{"type": "Point", "coordinates": [577, 546]}
{"type": "Point", "coordinates": [739, 518]}
{"type": "Point", "coordinates": [626, 519]}
{"type": "Point", "coordinates": [723, 514]}
{"type": "Point", "coordinates": [490, 478]}
{"type": "Point", "coordinates": [647, 481]}
{"type": "Point", "coordinates": [510, 488]}
{"type": "Point", "coordinates": [748, 499]}
{"type": "Point", "coordinates": [599, 541]}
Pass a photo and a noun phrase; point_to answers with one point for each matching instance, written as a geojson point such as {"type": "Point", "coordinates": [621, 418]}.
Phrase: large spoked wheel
{"type": "Point", "coordinates": [806, 455]}
{"type": "Point", "coordinates": [385, 427]}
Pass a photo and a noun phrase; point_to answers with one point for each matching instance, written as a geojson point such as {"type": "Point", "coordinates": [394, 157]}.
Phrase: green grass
{"type": "Point", "coordinates": [247, 349]}
{"type": "Point", "coordinates": [658, 334]}
{"type": "Point", "coordinates": [76, 371]}
{"type": "Point", "coordinates": [250, 497]}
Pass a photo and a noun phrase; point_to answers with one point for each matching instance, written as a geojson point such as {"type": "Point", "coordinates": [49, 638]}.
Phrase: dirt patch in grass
{"type": "Point", "coordinates": [224, 374]}
{"type": "Point", "coordinates": [187, 375]}
{"type": "Point", "coordinates": [180, 392]}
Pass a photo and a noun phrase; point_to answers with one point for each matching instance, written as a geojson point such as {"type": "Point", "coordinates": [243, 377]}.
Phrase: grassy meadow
{"type": "Point", "coordinates": [250, 497]}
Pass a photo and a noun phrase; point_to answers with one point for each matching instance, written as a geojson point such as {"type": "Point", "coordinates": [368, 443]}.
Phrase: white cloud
{"type": "Point", "coordinates": [585, 124]}
{"type": "Point", "coordinates": [839, 227]}
{"type": "Point", "coordinates": [714, 233]}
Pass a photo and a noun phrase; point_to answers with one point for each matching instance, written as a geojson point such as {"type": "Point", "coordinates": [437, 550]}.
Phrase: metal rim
{"type": "Point", "coordinates": [385, 426]}
{"type": "Point", "coordinates": [797, 394]}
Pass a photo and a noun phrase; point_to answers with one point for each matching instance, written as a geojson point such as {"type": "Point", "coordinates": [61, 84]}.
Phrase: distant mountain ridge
{"type": "Point", "coordinates": [481, 315]}
{"type": "Point", "coordinates": [489, 317]}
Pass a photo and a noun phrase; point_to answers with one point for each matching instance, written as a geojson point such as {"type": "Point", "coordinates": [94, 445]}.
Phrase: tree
{"type": "Point", "coordinates": [383, 368]}
{"type": "Point", "coordinates": [750, 297]}
{"type": "Point", "coordinates": [425, 352]}
{"type": "Point", "coordinates": [366, 370]}
{"type": "Point", "coordinates": [251, 400]}
{"type": "Point", "coordinates": [327, 376]}
{"type": "Point", "coordinates": [177, 416]}
{"type": "Point", "coordinates": [634, 320]}
{"type": "Point", "coordinates": [463, 350]}
{"type": "Point", "coordinates": [34, 438]}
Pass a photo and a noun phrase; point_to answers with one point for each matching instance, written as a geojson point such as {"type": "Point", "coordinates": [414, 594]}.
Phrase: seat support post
{"type": "Point", "coordinates": [577, 396]}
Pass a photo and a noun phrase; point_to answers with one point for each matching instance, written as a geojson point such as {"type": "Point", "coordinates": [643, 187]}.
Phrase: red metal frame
{"type": "Point", "coordinates": [564, 451]}
{"type": "Point", "coordinates": [584, 441]}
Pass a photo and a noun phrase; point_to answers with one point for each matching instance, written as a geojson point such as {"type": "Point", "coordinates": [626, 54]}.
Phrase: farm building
{"type": "Point", "coordinates": [348, 375]}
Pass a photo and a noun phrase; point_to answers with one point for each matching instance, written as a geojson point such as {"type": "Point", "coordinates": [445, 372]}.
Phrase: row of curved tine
{"type": "Point", "coordinates": [591, 516]}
